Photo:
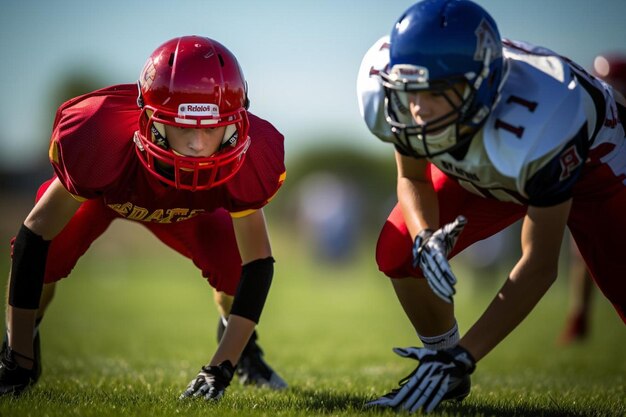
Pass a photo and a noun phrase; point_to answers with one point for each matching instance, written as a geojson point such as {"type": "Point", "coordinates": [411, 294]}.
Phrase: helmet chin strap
{"type": "Point", "coordinates": [158, 135]}
{"type": "Point", "coordinates": [230, 137]}
{"type": "Point", "coordinates": [443, 139]}
{"type": "Point", "coordinates": [435, 142]}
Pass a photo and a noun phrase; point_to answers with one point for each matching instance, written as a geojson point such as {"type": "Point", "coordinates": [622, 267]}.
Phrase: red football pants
{"type": "Point", "coordinates": [207, 239]}
{"type": "Point", "coordinates": [597, 223]}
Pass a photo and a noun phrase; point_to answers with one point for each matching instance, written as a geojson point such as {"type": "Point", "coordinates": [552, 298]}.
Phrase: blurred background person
{"type": "Point", "coordinates": [330, 215]}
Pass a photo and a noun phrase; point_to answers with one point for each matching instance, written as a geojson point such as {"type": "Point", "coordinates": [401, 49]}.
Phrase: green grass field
{"type": "Point", "coordinates": [134, 323]}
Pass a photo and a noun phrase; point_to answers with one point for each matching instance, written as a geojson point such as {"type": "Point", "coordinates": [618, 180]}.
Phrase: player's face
{"type": "Point", "coordinates": [193, 142]}
{"type": "Point", "coordinates": [426, 106]}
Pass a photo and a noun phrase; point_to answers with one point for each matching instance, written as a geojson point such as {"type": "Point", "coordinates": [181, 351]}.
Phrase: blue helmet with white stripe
{"type": "Point", "coordinates": [450, 48]}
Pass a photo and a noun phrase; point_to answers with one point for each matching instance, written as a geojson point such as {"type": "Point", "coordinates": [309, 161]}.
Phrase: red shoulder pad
{"type": "Point", "coordinates": [91, 143]}
{"type": "Point", "coordinates": [262, 172]}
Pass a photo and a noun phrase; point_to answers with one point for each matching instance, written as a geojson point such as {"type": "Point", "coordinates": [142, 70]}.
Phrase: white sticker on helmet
{"type": "Point", "coordinates": [406, 73]}
{"type": "Point", "coordinates": [198, 113]}
{"type": "Point", "coordinates": [198, 110]}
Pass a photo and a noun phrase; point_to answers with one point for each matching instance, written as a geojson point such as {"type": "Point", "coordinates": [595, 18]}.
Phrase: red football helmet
{"type": "Point", "coordinates": [612, 69]}
{"type": "Point", "coordinates": [192, 82]}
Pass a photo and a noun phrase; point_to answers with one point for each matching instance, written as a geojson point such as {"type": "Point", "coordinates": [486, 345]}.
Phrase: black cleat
{"type": "Point", "coordinates": [13, 378]}
{"type": "Point", "coordinates": [252, 368]}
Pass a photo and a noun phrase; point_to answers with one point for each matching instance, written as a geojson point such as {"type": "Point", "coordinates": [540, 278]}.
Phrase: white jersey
{"type": "Point", "coordinates": [549, 119]}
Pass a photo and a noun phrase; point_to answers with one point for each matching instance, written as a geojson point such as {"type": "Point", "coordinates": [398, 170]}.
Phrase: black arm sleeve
{"type": "Point", "coordinates": [254, 285]}
{"type": "Point", "coordinates": [29, 253]}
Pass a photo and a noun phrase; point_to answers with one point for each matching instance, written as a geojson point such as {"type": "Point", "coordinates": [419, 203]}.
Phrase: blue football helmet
{"type": "Point", "coordinates": [445, 47]}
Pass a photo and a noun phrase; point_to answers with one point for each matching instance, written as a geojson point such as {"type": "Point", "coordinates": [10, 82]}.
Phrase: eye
{"type": "Point", "coordinates": [440, 92]}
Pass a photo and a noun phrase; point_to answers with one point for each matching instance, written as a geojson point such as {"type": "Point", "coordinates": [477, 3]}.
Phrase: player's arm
{"type": "Point", "coordinates": [416, 195]}
{"type": "Point", "coordinates": [534, 273]}
{"type": "Point", "coordinates": [51, 213]}
{"type": "Point", "coordinates": [257, 272]}
{"type": "Point", "coordinates": [420, 208]}
{"type": "Point", "coordinates": [256, 278]}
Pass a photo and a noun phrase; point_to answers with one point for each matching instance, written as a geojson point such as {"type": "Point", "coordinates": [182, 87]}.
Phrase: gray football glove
{"type": "Point", "coordinates": [430, 252]}
{"type": "Point", "coordinates": [441, 375]}
{"type": "Point", "coordinates": [211, 382]}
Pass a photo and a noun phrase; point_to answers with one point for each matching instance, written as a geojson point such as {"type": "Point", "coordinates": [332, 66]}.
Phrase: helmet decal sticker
{"type": "Point", "coordinates": [486, 39]}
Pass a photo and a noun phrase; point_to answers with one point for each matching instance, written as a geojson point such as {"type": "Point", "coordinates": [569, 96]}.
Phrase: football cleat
{"type": "Point", "coordinates": [13, 378]}
{"type": "Point", "coordinates": [252, 368]}
{"type": "Point", "coordinates": [36, 349]}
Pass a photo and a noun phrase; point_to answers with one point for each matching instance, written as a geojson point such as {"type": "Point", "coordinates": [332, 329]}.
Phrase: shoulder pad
{"type": "Point", "coordinates": [262, 172]}
{"type": "Point", "coordinates": [370, 93]}
{"type": "Point", "coordinates": [91, 141]}
{"type": "Point", "coordinates": [539, 111]}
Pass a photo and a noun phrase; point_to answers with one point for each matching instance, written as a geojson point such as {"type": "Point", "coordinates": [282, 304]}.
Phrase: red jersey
{"type": "Point", "coordinates": [92, 152]}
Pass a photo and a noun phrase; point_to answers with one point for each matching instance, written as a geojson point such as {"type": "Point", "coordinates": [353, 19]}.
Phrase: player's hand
{"type": "Point", "coordinates": [430, 252]}
{"type": "Point", "coordinates": [440, 375]}
{"type": "Point", "coordinates": [211, 382]}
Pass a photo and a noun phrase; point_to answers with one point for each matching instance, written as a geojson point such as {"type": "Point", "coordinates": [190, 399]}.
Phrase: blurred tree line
{"type": "Point", "coordinates": [18, 186]}
{"type": "Point", "coordinates": [25, 181]}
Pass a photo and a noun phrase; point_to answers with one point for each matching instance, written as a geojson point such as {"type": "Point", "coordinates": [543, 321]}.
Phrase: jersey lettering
{"type": "Point", "coordinates": [132, 212]}
{"type": "Point", "coordinates": [374, 71]}
{"type": "Point", "coordinates": [447, 166]}
{"type": "Point", "coordinates": [518, 131]}
{"type": "Point", "coordinates": [570, 160]}
{"type": "Point", "coordinates": [530, 105]}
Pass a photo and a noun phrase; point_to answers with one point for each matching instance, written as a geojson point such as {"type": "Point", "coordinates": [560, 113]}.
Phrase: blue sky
{"type": "Point", "coordinates": [300, 58]}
